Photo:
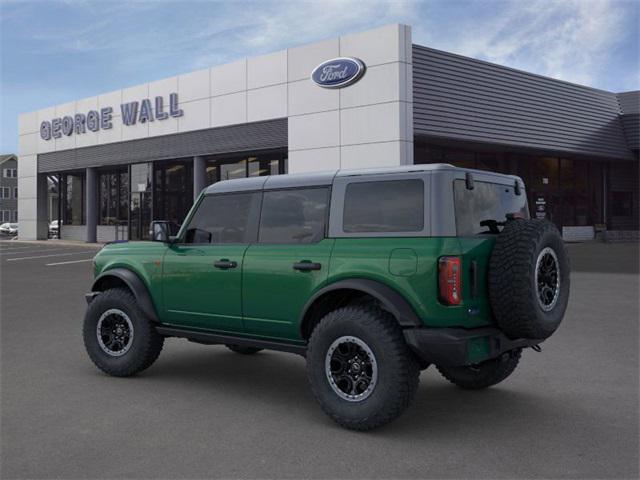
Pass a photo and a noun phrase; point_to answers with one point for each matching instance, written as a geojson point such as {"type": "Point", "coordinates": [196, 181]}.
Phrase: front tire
{"type": "Point", "coordinates": [360, 369]}
{"type": "Point", "coordinates": [485, 374]}
{"type": "Point", "coordinates": [119, 338]}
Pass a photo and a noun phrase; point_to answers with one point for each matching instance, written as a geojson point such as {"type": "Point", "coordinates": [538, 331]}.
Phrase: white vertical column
{"type": "Point", "coordinates": [32, 188]}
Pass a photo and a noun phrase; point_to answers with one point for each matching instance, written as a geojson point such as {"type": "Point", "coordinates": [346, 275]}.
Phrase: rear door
{"type": "Point", "coordinates": [202, 273]}
{"type": "Point", "coordinates": [289, 262]}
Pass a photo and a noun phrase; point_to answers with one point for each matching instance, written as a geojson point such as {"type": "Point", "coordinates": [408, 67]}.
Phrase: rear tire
{"type": "Point", "coordinates": [482, 375]}
{"type": "Point", "coordinates": [387, 374]}
{"type": "Point", "coordinates": [119, 338]}
{"type": "Point", "coordinates": [242, 350]}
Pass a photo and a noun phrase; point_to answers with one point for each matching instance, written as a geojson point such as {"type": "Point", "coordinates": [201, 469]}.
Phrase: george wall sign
{"type": "Point", "coordinates": [338, 72]}
{"type": "Point", "coordinates": [94, 120]}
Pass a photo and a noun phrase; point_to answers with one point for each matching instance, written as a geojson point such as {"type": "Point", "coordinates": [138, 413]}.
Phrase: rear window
{"type": "Point", "coordinates": [487, 201]}
{"type": "Point", "coordinates": [384, 206]}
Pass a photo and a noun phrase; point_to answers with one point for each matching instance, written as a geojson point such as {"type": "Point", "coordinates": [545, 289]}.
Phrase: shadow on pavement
{"type": "Point", "coordinates": [439, 408]}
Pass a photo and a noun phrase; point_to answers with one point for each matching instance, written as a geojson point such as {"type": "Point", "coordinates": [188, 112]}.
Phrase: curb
{"type": "Point", "coordinates": [68, 243]}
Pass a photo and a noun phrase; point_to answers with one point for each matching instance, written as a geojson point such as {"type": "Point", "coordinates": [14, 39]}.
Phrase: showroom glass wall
{"type": "Point", "coordinates": [72, 189]}
{"type": "Point", "coordinates": [228, 167]}
{"type": "Point", "coordinates": [568, 191]}
{"type": "Point", "coordinates": [130, 197]}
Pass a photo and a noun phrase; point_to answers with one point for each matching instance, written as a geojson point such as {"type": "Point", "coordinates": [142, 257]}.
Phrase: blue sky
{"type": "Point", "coordinates": [57, 51]}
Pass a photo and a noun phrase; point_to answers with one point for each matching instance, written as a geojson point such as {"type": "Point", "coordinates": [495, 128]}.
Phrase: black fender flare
{"type": "Point", "coordinates": [135, 284]}
{"type": "Point", "coordinates": [391, 300]}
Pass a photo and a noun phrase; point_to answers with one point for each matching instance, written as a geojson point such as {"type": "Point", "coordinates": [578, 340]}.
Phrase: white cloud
{"type": "Point", "coordinates": [569, 40]}
{"type": "Point", "coordinates": [268, 26]}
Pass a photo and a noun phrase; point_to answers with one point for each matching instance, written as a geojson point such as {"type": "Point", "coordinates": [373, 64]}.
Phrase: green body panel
{"type": "Point", "coordinates": [197, 294]}
{"type": "Point", "coordinates": [477, 249]}
{"type": "Point", "coordinates": [142, 258]}
{"type": "Point", "coordinates": [273, 293]}
{"type": "Point", "coordinates": [410, 266]}
{"type": "Point", "coordinates": [264, 296]}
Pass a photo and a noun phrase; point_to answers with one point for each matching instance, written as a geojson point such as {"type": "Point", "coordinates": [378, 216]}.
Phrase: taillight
{"type": "Point", "coordinates": [449, 280]}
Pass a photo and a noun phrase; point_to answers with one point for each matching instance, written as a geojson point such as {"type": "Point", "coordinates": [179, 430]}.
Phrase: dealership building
{"type": "Point", "coordinates": [109, 164]}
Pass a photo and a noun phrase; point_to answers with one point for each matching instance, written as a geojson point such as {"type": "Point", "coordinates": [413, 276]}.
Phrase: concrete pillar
{"type": "Point", "coordinates": [91, 205]}
{"type": "Point", "coordinates": [199, 176]}
{"type": "Point", "coordinates": [42, 215]}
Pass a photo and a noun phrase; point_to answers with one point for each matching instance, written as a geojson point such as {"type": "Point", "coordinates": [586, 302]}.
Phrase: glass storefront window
{"type": "Point", "coordinates": [568, 192]}
{"type": "Point", "coordinates": [140, 203]}
{"type": "Point", "coordinates": [621, 204]}
{"type": "Point", "coordinates": [172, 190]}
{"type": "Point", "coordinates": [230, 171]}
{"type": "Point", "coordinates": [228, 168]}
{"type": "Point", "coordinates": [73, 191]}
{"type": "Point", "coordinates": [113, 195]}
{"type": "Point", "coordinates": [263, 166]}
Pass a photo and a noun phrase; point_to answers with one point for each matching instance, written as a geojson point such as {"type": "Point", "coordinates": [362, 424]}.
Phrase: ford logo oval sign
{"type": "Point", "coordinates": [338, 73]}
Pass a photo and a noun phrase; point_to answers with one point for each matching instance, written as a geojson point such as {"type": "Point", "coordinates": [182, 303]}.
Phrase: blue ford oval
{"type": "Point", "coordinates": [338, 72]}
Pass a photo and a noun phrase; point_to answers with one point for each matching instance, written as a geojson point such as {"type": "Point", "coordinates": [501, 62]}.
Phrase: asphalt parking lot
{"type": "Point", "coordinates": [203, 411]}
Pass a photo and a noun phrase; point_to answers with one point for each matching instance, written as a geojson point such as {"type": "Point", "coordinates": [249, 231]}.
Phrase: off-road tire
{"type": "Point", "coordinates": [513, 291]}
{"type": "Point", "coordinates": [398, 370]}
{"type": "Point", "coordinates": [482, 375]}
{"type": "Point", "coordinates": [145, 346]}
{"type": "Point", "coordinates": [242, 350]}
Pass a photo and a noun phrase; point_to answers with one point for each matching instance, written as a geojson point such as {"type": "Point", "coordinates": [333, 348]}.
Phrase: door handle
{"type": "Point", "coordinates": [306, 265]}
{"type": "Point", "coordinates": [225, 264]}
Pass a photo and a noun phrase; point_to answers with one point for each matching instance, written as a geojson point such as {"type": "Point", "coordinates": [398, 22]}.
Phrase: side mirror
{"type": "Point", "coordinates": [163, 231]}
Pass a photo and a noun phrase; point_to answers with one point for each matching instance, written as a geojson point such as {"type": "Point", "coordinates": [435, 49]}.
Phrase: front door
{"type": "Point", "coordinates": [289, 262]}
{"type": "Point", "coordinates": [202, 271]}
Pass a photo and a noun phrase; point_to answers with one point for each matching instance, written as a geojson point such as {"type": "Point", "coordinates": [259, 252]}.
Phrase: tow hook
{"type": "Point", "coordinates": [536, 348]}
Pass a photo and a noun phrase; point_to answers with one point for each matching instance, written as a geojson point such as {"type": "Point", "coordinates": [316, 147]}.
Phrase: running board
{"type": "Point", "coordinates": [218, 339]}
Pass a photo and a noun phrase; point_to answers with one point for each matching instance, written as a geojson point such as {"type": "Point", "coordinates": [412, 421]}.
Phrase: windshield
{"type": "Point", "coordinates": [487, 201]}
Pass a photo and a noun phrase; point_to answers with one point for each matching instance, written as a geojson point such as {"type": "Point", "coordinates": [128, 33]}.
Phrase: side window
{"type": "Point", "coordinates": [294, 216]}
{"type": "Point", "coordinates": [229, 218]}
{"type": "Point", "coordinates": [384, 206]}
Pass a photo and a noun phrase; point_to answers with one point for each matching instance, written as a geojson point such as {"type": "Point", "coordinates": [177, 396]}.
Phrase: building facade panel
{"type": "Point", "coordinates": [267, 70]}
{"type": "Point", "coordinates": [228, 109]}
{"type": "Point", "coordinates": [303, 59]}
{"type": "Point", "coordinates": [194, 85]}
{"type": "Point", "coordinates": [229, 78]}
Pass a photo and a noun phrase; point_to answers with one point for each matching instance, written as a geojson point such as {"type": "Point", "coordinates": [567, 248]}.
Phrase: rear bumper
{"type": "Point", "coordinates": [460, 346]}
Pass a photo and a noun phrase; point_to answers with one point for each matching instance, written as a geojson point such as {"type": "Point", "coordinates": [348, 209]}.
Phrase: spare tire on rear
{"type": "Point", "coordinates": [529, 279]}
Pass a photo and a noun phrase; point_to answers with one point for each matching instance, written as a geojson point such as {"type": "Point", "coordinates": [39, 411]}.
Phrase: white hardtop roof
{"type": "Point", "coordinates": [326, 177]}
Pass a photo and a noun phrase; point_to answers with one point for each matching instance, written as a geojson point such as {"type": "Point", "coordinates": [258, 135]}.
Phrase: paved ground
{"type": "Point", "coordinates": [570, 411]}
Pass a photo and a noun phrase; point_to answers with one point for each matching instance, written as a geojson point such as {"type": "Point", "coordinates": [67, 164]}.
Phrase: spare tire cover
{"type": "Point", "coordinates": [529, 279]}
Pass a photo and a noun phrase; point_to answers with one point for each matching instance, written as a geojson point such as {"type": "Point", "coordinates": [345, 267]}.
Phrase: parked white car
{"type": "Point", "coordinates": [9, 228]}
{"type": "Point", "coordinates": [54, 229]}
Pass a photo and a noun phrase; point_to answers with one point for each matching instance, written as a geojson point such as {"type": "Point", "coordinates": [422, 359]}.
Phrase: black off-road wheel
{"type": "Point", "coordinates": [242, 350]}
{"type": "Point", "coordinates": [529, 279]}
{"type": "Point", "coordinates": [482, 375]}
{"type": "Point", "coordinates": [360, 369]}
{"type": "Point", "coordinates": [119, 338]}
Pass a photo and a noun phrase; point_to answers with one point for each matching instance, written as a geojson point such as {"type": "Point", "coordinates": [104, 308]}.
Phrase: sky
{"type": "Point", "coordinates": [55, 51]}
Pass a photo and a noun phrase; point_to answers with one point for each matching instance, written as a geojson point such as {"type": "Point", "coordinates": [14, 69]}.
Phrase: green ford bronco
{"type": "Point", "coordinates": [372, 275]}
